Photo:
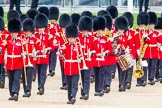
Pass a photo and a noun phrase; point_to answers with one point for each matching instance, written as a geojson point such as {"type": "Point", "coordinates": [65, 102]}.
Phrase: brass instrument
{"type": "Point", "coordinates": [143, 46]}
{"type": "Point", "coordinates": [34, 54]}
{"type": "Point", "coordinates": [138, 73]}
{"type": "Point", "coordinates": [107, 33]}
{"type": "Point", "coordinates": [84, 64]}
{"type": "Point", "coordinates": [29, 62]}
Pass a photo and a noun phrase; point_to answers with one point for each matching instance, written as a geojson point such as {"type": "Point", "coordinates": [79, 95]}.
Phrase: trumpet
{"type": "Point", "coordinates": [138, 73]}
{"type": "Point", "coordinates": [29, 62]}
{"type": "Point", "coordinates": [84, 64]}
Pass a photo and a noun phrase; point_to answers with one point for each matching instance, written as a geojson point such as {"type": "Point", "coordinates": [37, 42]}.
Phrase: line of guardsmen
{"type": "Point", "coordinates": [89, 48]}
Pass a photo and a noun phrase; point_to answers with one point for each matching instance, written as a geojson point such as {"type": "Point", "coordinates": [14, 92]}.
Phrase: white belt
{"type": "Point", "coordinates": [100, 59]}
{"type": "Point", "coordinates": [14, 56]}
{"type": "Point", "coordinates": [152, 45]}
{"type": "Point", "coordinates": [41, 56]}
{"type": "Point", "coordinates": [72, 61]}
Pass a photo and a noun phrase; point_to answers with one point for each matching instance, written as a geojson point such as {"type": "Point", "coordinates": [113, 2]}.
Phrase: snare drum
{"type": "Point", "coordinates": [125, 61]}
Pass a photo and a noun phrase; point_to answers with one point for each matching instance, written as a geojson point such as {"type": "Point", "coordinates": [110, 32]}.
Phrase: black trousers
{"type": "Point", "coordinates": [34, 4]}
{"type": "Point", "coordinates": [16, 3]}
{"type": "Point", "coordinates": [146, 2]}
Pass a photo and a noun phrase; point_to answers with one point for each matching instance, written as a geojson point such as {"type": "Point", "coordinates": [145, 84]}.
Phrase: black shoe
{"type": "Point", "coordinates": [85, 97]}
{"type": "Point", "coordinates": [101, 93]}
{"type": "Point", "coordinates": [33, 78]}
{"type": "Point", "coordinates": [138, 85]}
{"type": "Point", "coordinates": [14, 97]}
{"type": "Point", "coordinates": [73, 100]}
{"type": "Point", "coordinates": [107, 90]}
{"type": "Point", "coordinates": [2, 84]}
{"type": "Point", "coordinates": [113, 75]}
{"type": "Point", "coordinates": [121, 88]}
{"type": "Point", "coordinates": [28, 94]}
{"type": "Point", "coordinates": [144, 83]}
{"type": "Point", "coordinates": [97, 94]}
{"type": "Point", "coordinates": [69, 102]}
{"type": "Point", "coordinates": [151, 82]}
{"type": "Point", "coordinates": [92, 79]}
{"type": "Point", "coordinates": [128, 86]}
{"type": "Point", "coordinates": [51, 74]}
{"type": "Point", "coordinates": [40, 92]}
{"type": "Point", "coordinates": [64, 87]}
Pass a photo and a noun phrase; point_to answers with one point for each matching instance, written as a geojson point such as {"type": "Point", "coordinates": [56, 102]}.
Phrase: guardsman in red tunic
{"type": "Point", "coordinates": [121, 25]}
{"type": "Point", "coordinates": [14, 58]}
{"type": "Point", "coordinates": [132, 48]}
{"type": "Point", "coordinates": [86, 47]}
{"type": "Point", "coordinates": [71, 58]}
{"type": "Point", "coordinates": [100, 45]}
{"type": "Point", "coordinates": [65, 19]}
{"type": "Point", "coordinates": [151, 53]}
{"type": "Point", "coordinates": [113, 11]}
{"type": "Point", "coordinates": [29, 48]}
{"type": "Point", "coordinates": [41, 23]}
{"type": "Point", "coordinates": [3, 36]}
{"type": "Point", "coordinates": [53, 29]}
{"type": "Point", "coordinates": [158, 27]}
{"type": "Point", "coordinates": [140, 33]}
{"type": "Point", "coordinates": [110, 59]}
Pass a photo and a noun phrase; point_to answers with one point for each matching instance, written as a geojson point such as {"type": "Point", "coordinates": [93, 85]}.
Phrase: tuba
{"type": "Point", "coordinates": [138, 73]}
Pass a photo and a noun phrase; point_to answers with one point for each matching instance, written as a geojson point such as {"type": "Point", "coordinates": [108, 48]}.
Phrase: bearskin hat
{"type": "Point", "coordinates": [153, 17]}
{"type": "Point", "coordinates": [71, 30]}
{"type": "Point", "coordinates": [2, 24]}
{"type": "Point", "coordinates": [12, 14]}
{"type": "Point", "coordinates": [75, 18]}
{"type": "Point", "coordinates": [32, 13]}
{"type": "Point", "coordinates": [121, 23]}
{"type": "Point", "coordinates": [1, 11]}
{"type": "Point", "coordinates": [143, 18]}
{"type": "Point", "coordinates": [87, 13]}
{"type": "Point", "coordinates": [102, 13]}
{"type": "Point", "coordinates": [99, 23]}
{"type": "Point", "coordinates": [113, 11]}
{"type": "Point", "coordinates": [159, 24]}
{"type": "Point", "coordinates": [14, 25]}
{"type": "Point", "coordinates": [130, 18]}
{"type": "Point", "coordinates": [44, 10]}
{"type": "Point", "coordinates": [85, 24]}
{"type": "Point", "coordinates": [28, 25]}
{"type": "Point", "coordinates": [108, 21]}
{"type": "Point", "coordinates": [23, 17]}
{"type": "Point", "coordinates": [41, 21]}
{"type": "Point", "coordinates": [53, 13]}
{"type": "Point", "coordinates": [65, 19]}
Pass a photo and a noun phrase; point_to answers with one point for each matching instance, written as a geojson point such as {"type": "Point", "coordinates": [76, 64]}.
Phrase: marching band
{"type": "Point", "coordinates": [89, 48]}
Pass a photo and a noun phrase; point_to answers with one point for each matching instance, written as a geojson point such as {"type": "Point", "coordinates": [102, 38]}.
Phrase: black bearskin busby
{"type": "Point", "coordinates": [99, 23]}
{"type": "Point", "coordinates": [28, 25]}
{"type": "Point", "coordinates": [14, 25]}
{"type": "Point", "coordinates": [121, 23]}
{"type": "Point", "coordinates": [75, 18]}
{"type": "Point", "coordinates": [41, 21]}
{"type": "Point", "coordinates": [85, 24]}
{"type": "Point", "coordinates": [130, 18]}
{"type": "Point", "coordinates": [44, 10]}
{"type": "Point", "coordinates": [65, 19]}
{"type": "Point", "coordinates": [2, 24]}
{"type": "Point", "coordinates": [113, 11]}
{"type": "Point", "coordinates": [53, 13]}
{"type": "Point", "coordinates": [32, 13]}
{"type": "Point", "coordinates": [102, 13]}
{"type": "Point", "coordinates": [1, 11]}
{"type": "Point", "coordinates": [159, 24]}
{"type": "Point", "coordinates": [108, 21]}
{"type": "Point", "coordinates": [71, 30]}
{"type": "Point", "coordinates": [23, 17]}
{"type": "Point", "coordinates": [12, 14]}
{"type": "Point", "coordinates": [143, 18]}
{"type": "Point", "coordinates": [87, 13]}
{"type": "Point", "coordinates": [153, 17]}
